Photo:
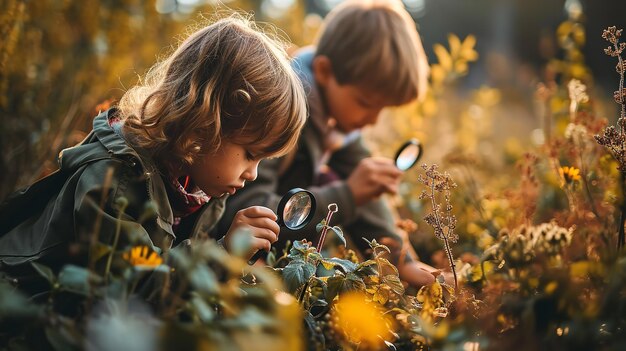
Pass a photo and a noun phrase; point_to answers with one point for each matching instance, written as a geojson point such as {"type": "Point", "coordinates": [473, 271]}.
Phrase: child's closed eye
{"type": "Point", "coordinates": [250, 156]}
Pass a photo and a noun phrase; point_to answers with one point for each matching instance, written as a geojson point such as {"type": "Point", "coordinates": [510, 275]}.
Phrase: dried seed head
{"type": "Point", "coordinates": [577, 91]}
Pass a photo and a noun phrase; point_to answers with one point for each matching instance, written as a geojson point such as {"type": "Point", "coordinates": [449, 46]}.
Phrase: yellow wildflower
{"type": "Point", "coordinates": [143, 256]}
{"type": "Point", "coordinates": [360, 320]}
{"type": "Point", "coordinates": [569, 174]}
{"type": "Point", "coordinates": [551, 287]}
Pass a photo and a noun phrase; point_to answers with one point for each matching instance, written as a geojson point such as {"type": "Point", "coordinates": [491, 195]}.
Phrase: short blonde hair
{"type": "Point", "coordinates": [227, 81]}
{"type": "Point", "coordinates": [374, 44]}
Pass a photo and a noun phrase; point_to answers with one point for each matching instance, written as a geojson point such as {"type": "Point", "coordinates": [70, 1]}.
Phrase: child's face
{"type": "Point", "coordinates": [353, 107]}
{"type": "Point", "coordinates": [224, 171]}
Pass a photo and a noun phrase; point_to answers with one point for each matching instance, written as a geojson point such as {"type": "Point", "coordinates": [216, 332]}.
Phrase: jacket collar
{"type": "Point", "coordinates": [116, 147]}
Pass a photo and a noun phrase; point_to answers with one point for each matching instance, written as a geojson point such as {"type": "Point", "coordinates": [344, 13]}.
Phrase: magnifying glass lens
{"type": "Point", "coordinates": [408, 155]}
{"type": "Point", "coordinates": [297, 210]}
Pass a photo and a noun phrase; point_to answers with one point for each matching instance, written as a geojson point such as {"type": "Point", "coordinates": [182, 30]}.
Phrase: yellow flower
{"type": "Point", "coordinates": [569, 174]}
{"type": "Point", "coordinates": [143, 256]}
{"type": "Point", "coordinates": [551, 287]}
{"type": "Point", "coordinates": [361, 321]}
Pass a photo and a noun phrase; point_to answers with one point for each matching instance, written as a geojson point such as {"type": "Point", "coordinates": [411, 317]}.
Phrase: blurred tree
{"type": "Point", "coordinates": [60, 59]}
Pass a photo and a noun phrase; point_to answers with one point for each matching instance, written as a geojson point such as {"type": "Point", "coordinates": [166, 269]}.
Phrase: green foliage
{"type": "Point", "coordinates": [376, 279]}
{"type": "Point", "coordinates": [199, 295]}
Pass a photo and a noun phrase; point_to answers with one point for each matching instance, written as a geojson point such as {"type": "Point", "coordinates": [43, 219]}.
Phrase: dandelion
{"type": "Point", "coordinates": [569, 174]}
{"type": "Point", "coordinates": [143, 256]}
{"type": "Point", "coordinates": [360, 320]}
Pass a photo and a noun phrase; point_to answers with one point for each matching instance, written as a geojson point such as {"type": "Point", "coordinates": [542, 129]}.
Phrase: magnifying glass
{"type": "Point", "coordinates": [295, 210]}
{"type": "Point", "coordinates": [408, 154]}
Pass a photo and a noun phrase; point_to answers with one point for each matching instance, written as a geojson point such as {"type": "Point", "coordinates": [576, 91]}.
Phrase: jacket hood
{"type": "Point", "coordinates": [102, 142]}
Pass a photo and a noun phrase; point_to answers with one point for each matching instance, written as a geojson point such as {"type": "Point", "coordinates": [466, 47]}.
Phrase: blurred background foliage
{"type": "Point", "coordinates": [59, 60]}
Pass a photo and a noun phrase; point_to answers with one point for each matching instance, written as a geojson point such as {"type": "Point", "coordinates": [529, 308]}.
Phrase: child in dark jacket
{"type": "Point", "coordinates": [157, 167]}
{"type": "Point", "coordinates": [367, 57]}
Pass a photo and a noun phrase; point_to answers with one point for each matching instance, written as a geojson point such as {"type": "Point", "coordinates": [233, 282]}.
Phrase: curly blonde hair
{"type": "Point", "coordinates": [227, 81]}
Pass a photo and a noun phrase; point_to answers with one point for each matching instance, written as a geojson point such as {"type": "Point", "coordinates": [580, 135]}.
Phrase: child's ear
{"type": "Point", "coordinates": [322, 69]}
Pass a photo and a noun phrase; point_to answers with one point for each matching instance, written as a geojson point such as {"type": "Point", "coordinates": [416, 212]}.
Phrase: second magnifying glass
{"type": "Point", "coordinates": [408, 154]}
{"type": "Point", "coordinates": [295, 210]}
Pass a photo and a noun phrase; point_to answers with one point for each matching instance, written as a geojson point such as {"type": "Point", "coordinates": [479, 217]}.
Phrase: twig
{"type": "Point", "coordinates": [443, 225]}
{"type": "Point", "coordinates": [332, 208]}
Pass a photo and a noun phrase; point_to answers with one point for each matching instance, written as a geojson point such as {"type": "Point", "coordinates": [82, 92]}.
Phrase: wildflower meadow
{"type": "Point", "coordinates": [518, 200]}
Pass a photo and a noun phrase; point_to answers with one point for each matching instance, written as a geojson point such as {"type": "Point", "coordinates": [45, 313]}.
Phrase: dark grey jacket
{"type": "Point", "coordinates": [82, 202]}
{"type": "Point", "coordinates": [277, 176]}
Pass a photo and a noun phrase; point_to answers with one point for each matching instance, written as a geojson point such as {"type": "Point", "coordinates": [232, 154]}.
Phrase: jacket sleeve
{"type": "Point", "coordinates": [265, 191]}
{"type": "Point", "coordinates": [373, 220]}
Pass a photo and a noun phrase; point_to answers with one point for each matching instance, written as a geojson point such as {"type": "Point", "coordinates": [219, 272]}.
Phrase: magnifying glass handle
{"type": "Point", "coordinates": [256, 256]}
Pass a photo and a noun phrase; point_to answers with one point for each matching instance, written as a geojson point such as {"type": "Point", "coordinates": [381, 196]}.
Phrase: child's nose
{"type": "Point", "coordinates": [251, 173]}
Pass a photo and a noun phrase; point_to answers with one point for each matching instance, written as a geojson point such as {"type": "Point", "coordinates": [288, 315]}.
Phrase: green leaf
{"type": "Point", "coordinates": [116, 289]}
{"type": "Point", "coordinates": [204, 280]}
{"type": "Point", "coordinates": [319, 226]}
{"type": "Point", "coordinates": [318, 288]}
{"type": "Point", "coordinates": [327, 264]}
{"type": "Point", "coordinates": [13, 303]}
{"type": "Point", "coordinates": [376, 246]}
{"type": "Point", "coordinates": [250, 317]}
{"type": "Point", "coordinates": [335, 285]}
{"type": "Point", "coordinates": [340, 284]}
{"type": "Point", "coordinates": [180, 258]}
{"type": "Point", "coordinates": [354, 283]}
{"type": "Point", "coordinates": [366, 263]}
{"type": "Point", "coordinates": [366, 268]}
{"type": "Point", "coordinates": [314, 257]}
{"type": "Point", "coordinates": [318, 307]}
{"type": "Point", "coordinates": [384, 266]}
{"type": "Point", "coordinates": [297, 273]}
{"type": "Point", "coordinates": [204, 311]}
{"type": "Point", "coordinates": [339, 234]}
{"type": "Point", "coordinates": [344, 265]}
{"type": "Point", "coordinates": [78, 279]}
{"type": "Point", "coordinates": [241, 242]}
{"type": "Point", "coordinates": [44, 271]}
{"type": "Point", "coordinates": [394, 283]}
{"type": "Point", "coordinates": [298, 250]}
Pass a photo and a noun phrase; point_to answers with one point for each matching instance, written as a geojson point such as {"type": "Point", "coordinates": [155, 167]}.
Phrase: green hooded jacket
{"type": "Point", "coordinates": [102, 183]}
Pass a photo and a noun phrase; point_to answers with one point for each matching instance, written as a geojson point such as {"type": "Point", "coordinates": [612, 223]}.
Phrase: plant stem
{"type": "Point", "coordinates": [332, 208]}
{"type": "Point", "coordinates": [451, 260]}
{"type": "Point", "coordinates": [583, 170]}
{"type": "Point", "coordinates": [622, 217]}
{"type": "Point", "coordinates": [303, 292]}
{"type": "Point", "coordinates": [444, 236]}
{"type": "Point", "coordinates": [118, 229]}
